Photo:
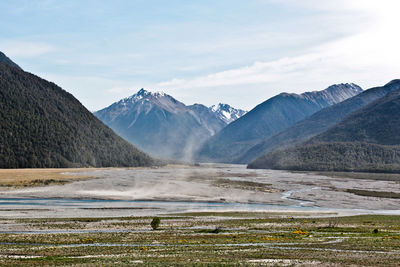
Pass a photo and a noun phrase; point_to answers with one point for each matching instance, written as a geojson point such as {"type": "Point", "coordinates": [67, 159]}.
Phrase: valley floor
{"type": "Point", "coordinates": [210, 214]}
{"type": "Point", "coordinates": [178, 188]}
{"type": "Point", "coordinates": [203, 238]}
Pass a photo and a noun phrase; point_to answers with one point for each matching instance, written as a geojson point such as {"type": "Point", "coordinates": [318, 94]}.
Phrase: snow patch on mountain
{"type": "Point", "coordinates": [227, 113]}
{"type": "Point", "coordinates": [335, 93]}
{"type": "Point", "coordinates": [142, 94]}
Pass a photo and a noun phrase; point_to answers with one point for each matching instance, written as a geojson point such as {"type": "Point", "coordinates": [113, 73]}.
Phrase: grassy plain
{"type": "Point", "coordinates": [204, 239]}
{"type": "Point", "coordinates": [40, 177]}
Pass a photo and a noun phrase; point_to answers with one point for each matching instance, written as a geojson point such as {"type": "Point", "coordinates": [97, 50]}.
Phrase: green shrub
{"type": "Point", "coordinates": [155, 223]}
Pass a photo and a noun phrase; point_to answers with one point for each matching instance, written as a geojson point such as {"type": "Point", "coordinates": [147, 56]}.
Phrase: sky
{"type": "Point", "coordinates": [202, 51]}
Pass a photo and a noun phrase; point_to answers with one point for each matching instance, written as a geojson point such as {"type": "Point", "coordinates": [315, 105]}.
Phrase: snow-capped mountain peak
{"type": "Point", "coordinates": [227, 113]}
{"type": "Point", "coordinates": [143, 93]}
{"type": "Point", "coordinates": [161, 125]}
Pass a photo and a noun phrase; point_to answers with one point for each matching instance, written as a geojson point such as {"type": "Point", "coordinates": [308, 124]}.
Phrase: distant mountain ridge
{"type": "Point", "coordinates": [378, 122]}
{"type": "Point", "coordinates": [44, 126]}
{"type": "Point", "coordinates": [366, 140]}
{"type": "Point", "coordinates": [227, 113]}
{"type": "Point", "coordinates": [316, 123]}
{"type": "Point", "coordinates": [269, 118]}
{"type": "Point", "coordinates": [161, 125]}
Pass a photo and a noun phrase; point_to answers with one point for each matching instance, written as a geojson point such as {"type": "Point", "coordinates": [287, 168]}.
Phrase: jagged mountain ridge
{"type": "Point", "coordinates": [316, 123]}
{"type": "Point", "coordinates": [161, 125]}
{"type": "Point", "coordinates": [44, 126]}
{"type": "Point", "coordinates": [227, 113]}
{"type": "Point", "coordinates": [269, 118]}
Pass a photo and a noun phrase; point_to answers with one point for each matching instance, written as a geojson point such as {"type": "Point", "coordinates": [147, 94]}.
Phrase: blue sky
{"type": "Point", "coordinates": [236, 52]}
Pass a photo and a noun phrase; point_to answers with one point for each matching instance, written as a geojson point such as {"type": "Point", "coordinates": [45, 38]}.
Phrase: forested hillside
{"type": "Point", "coordinates": [353, 156]}
{"type": "Point", "coordinates": [42, 125]}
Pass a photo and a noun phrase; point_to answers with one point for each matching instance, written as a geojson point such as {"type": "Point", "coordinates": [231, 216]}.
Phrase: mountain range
{"type": "Point", "coordinates": [43, 126]}
{"type": "Point", "coordinates": [164, 127]}
{"type": "Point", "coordinates": [341, 128]}
{"type": "Point", "coordinates": [269, 118]}
{"type": "Point", "coordinates": [366, 140]}
{"type": "Point", "coordinates": [316, 123]}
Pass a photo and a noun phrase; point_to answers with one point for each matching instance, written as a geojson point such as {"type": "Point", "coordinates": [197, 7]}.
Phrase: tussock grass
{"type": "Point", "coordinates": [39, 177]}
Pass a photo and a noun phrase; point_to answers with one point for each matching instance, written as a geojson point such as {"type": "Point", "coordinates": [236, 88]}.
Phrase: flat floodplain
{"type": "Point", "coordinates": [210, 215]}
{"type": "Point", "coordinates": [220, 238]}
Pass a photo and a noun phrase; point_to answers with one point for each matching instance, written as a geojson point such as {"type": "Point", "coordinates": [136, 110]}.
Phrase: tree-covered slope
{"type": "Point", "coordinates": [366, 140]}
{"type": "Point", "coordinates": [334, 156]}
{"type": "Point", "coordinates": [42, 126]}
{"type": "Point", "coordinates": [269, 118]}
{"type": "Point", "coordinates": [317, 123]}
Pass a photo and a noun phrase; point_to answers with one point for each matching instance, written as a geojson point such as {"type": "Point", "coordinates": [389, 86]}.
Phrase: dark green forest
{"type": "Point", "coordinates": [43, 126]}
{"type": "Point", "coordinates": [362, 157]}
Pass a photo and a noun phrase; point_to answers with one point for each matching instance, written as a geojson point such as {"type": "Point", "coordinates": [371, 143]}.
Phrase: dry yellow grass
{"type": "Point", "coordinates": [39, 177]}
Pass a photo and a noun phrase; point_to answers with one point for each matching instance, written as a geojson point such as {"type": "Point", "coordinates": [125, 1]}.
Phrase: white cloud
{"type": "Point", "coordinates": [339, 41]}
{"type": "Point", "coordinates": [259, 72]}
{"type": "Point", "coordinates": [369, 57]}
{"type": "Point", "coordinates": [25, 49]}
